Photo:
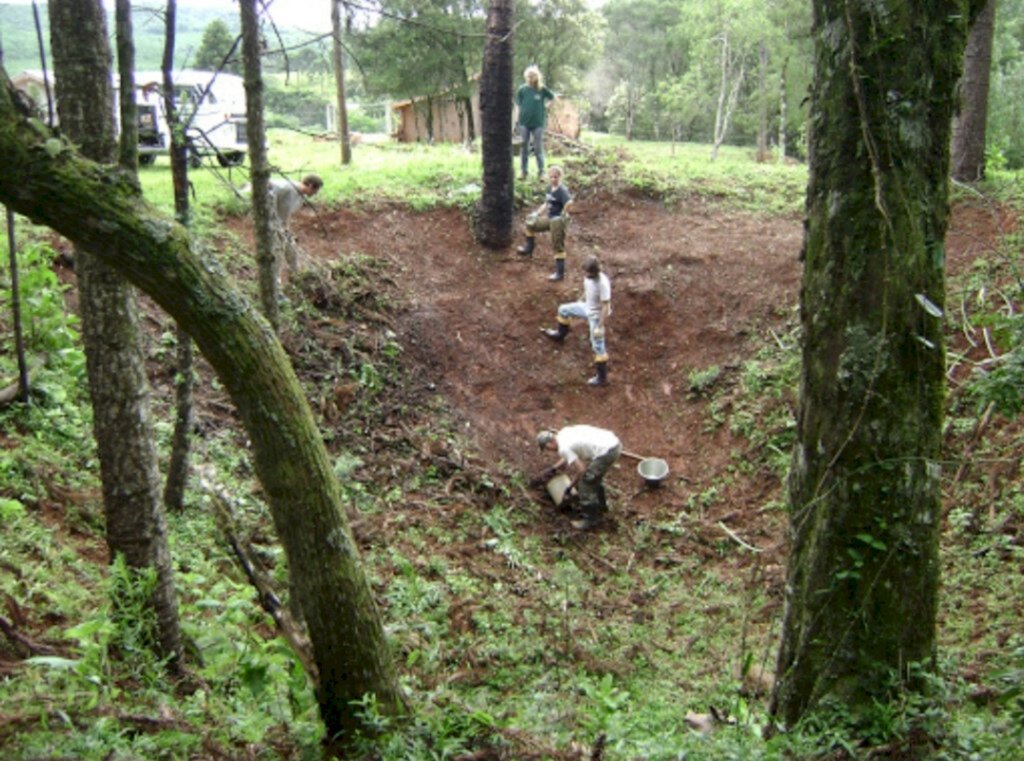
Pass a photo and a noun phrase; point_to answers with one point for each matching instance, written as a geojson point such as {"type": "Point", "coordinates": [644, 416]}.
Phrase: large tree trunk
{"type": "Point", "coordinates": [338, 59]}
{"type": "Point", "coordinates": [259, 169]}
{"type": "Point", "coordinates": [118, 387]}
{"type": "Point", "coordinates": [861, 593]}
{"type": "Point", "coordinates": [181, 442]}
{"type": "Point", "coordinates": [969, 125]}
{"type": "Point", "coordinates": [497, 208]}
{"type": "Point", "coordinates": [44, 180]}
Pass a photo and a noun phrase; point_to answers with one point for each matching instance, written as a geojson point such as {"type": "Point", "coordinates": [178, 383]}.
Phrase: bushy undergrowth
{"type": "Point", "coordinates": [509, 646]}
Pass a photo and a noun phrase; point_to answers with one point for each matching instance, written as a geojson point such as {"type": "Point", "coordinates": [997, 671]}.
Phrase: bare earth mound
{"type": "Point", "coordinates": [693, 286]}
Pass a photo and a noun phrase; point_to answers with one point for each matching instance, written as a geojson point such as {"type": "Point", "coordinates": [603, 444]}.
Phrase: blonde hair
{"type": "Point", "coordinates": [533, 69]}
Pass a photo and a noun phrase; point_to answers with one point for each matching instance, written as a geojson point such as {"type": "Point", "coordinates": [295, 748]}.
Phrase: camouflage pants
{"type": "Point", "coordinates": [591, 486]}
{"type": "Point", "coordinates": [557, 226]}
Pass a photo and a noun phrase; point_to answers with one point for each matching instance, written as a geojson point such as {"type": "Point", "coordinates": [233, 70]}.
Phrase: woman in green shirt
{"type": "Point", "coordinates": [532, 99]}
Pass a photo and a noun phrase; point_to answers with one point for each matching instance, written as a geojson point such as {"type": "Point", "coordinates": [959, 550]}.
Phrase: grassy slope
{"type": "Point", "coordinates": [496, 633]}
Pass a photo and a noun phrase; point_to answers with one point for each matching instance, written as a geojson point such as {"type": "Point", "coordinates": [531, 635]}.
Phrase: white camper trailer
{"type": "Point", "coordinates": [211, 104]}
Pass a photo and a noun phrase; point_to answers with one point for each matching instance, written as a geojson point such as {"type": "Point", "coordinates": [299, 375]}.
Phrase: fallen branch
{"type": "Point", "coordinates": [19, 639]}
{"type": "Point", "coordinates": [736, 539]}
{"type": "Point", "coordinates": [291, 630]}
{"type": "Point", "coordinates": [13, 391]}
{"type": "Point", "coordinates": [976, 434]}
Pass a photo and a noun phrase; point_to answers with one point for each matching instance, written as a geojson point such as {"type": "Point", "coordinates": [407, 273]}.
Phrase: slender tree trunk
{"type": "Point", "coordinates": [762, 103]}
{"type": "Point", "coordinates": [90, 205]}
{"type": "Point", "coordinates": [181, 442]}
{"type": "Point", "coordinates": [117, 381]}
{"type": "Point", "coordinates": [129, 139]}
{"type": "Point", "coordinates": [728, 94]}
{"type": "Point", "coordinates": [497, 204]}
{"type": "Point", "coordinates": [972, 118]}
{"type": "Point", "coordinates": [339, 83]}
{"type": "Point", "coordinates": [861, 593]}
{"type": "Point", "coordinates": [259, 169]}
{"type": "Point", "coordinates": [24, 392]}
{"type": "Point", "coordinates": [783, 111]}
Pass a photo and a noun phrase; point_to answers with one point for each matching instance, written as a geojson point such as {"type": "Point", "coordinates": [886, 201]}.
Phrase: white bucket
{"type": "Point", "coordinates": [557, 487]}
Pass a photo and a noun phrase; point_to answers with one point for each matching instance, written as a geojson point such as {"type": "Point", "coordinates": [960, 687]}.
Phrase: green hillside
{"type": "Point", "coordinates": [20, 51]}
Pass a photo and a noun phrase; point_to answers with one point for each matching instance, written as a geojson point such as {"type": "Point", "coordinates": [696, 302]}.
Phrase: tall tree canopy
{"type": "Point", "coordinates": [214, 48]}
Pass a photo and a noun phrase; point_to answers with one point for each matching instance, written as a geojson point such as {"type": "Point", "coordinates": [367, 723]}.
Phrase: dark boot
{"type": "Point", "coordinates": [559, 272]}
{"type": "Point", "coordinates": [601, 379]}
{"type": "Point", "coordinates": [557, 334]}
{"type": "Point", "coordinates": [527, 248]}
{"type": "Point", "coordinates": [591, 517]}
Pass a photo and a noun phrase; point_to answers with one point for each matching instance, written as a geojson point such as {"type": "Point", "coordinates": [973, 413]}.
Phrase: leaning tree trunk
{"type": "Point", "coordinates": [259, 169]}
{"type": "Point", "coordinates": [969, 125]}
{"type": "Point", "coordinates": [122, 425]}
{"type": "Point", "coordinates": [94, 207]}
{"type": "Point", "coordinates": [497, 208]}
{"type": "Point", "coordinates": [861, 593]}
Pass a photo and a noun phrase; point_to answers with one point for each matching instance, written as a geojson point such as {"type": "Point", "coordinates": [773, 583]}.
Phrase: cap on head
{"type": "Point", "coordinates": [592, 266]}
{"type": "Point", "coordinates": [544, 438]}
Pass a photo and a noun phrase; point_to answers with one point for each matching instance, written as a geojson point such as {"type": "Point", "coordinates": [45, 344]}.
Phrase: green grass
{"type": "Point", "coordinates": [685, 170]}
{"type": "Point", "coordinates": [427, 176]}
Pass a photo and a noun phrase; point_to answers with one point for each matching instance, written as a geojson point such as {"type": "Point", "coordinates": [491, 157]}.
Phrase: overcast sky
{"type": "Point", "coordinates": [312, 15]}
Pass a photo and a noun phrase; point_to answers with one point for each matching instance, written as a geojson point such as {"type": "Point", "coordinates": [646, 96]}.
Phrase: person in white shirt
{"type": "Point", "coordinates": [587, 452]}
{"type": "Point", "coordinates": [595, 307]}
{"type": "Point", "coordinates": [286, 198]}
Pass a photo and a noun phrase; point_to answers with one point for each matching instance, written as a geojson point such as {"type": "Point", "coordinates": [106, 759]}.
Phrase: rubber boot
{"type": "Point", "coordinates": [557, 334]}
{"type": "Point", "coordinates": [559, 272]}
{"type": "Point", "coordinates": [527, 248]}
{"type": "Point", "coordinates": [601, 378]}
{"type": "Point", "coordinates": [591, 517]}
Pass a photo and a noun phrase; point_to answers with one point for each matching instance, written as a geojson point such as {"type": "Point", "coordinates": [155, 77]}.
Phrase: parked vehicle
{"type": "Point", "coordinates": [211, 105]}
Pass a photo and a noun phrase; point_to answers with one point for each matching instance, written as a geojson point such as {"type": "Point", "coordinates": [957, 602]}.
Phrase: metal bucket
{"type": "Point", "coordinates": [653, 470]}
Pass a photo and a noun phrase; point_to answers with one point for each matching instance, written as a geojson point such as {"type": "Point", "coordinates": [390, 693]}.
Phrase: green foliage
{"type": "Point", "coordinates": [47, 326]}
{"type": "Point", "coordinates": [700, 382]}
{"type": "Point", "coordinates": [421, 49]}
{"type": "Point", "coordinates": [215, 49]}
{"type": "Point", "coordinates": [1003, 386]}
{"type": "Point", "coordinates": [294, 107]}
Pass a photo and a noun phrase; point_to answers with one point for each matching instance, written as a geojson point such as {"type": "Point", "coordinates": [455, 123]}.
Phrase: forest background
{"type": "Point", "coordinates": [256, 699]}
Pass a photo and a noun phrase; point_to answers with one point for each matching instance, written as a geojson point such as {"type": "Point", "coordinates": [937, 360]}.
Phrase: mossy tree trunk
{"type": "Point", "coordinates": [864, 485]}
{"type": "Point", "coordinates": [122, 424]}
{"type": "Point", "coordinates": [101, 211]}
{"type": "Point", "coordinates": [497, 209]}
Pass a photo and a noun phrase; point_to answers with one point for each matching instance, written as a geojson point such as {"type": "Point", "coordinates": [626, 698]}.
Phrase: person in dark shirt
{"type": "Point", "coordinates": [551, 215]}
{"type": "Point", "coordinates": [532, 99]}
